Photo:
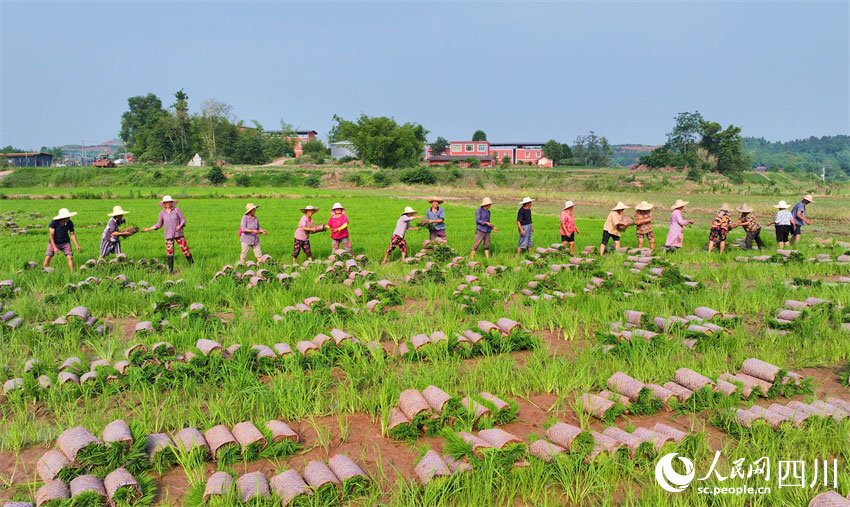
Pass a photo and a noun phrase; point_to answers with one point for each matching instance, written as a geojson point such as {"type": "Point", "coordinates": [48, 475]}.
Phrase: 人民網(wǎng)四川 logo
{"type": "Point", "coordinates": [671, 480]}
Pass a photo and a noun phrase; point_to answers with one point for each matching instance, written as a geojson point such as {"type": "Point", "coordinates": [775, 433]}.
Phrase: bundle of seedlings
{"type": "Point", "coordinates": [127, 447]}
{"type": "Point", "coordinates": [53, 464]}
{"type": "Point", "coordinates": [161, 452]}
{"type": "Point", "coordinates": [384, 291]}
{"type": "Point", "coordinates": [438, 251]}
{"type": "Point", "coordinates": [253, 490]}
{"type": "Point", "coordinates": [80, 446]}
{"type": "Point", "coordinates": [642, 399]}
{"type": "Point", "coordinates": [570, 437]}
{"type": "Point", "coordinates": [491, 447]}
{"type": "Point", "coordinates": [219, 491]}
{"type": "Point", "coordinates": [291, 489]}
{"type": "Point", "coordinates": [505, 336]}
{"type": "Point", "coordinates": [432, 469]}
{"type": "Point", "coordinates": [224, 447]}
{"type": "Point", "coordinates": [167, 305]}
{"type": "Point", "coordinates": [702, 393]}
{"type": "Point", "coordinates": [431, 273]}
{"type": "Point", "coordinates": [353, 479]}
{"type": "Point", "coordinates": [449, 408]}
{"type": "Point", "coordinates": [323, 481]}
{"type": "Point", "coordinates": [7, 289]}
{"type": "Point", "coordinates": [281, 440]}
{"type": "Point", "coordinates": [407, 420]}
{"type": "Point", "coordinates": [502, 411]}
{"type": "Point", "coordinates": [87, 491]}
{"type": "Point", "coordinates": [601, 408]}
{"type": "Point", "coordinates": [783, 382]}
{"type": "Point", "coordinates": [477, 298]}
{"type": "Point", "coordinates": [125, 490]}
{"type": "Point", "coordinates": [191, 448]}
{"type": "Point", "coordinates": [422, 347]}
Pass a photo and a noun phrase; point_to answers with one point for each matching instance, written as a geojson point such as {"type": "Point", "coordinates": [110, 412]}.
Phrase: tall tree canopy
{"type": "Point", "coordinates": [381, 141]}
{"type": "Point", "coordinates": [479, 135]}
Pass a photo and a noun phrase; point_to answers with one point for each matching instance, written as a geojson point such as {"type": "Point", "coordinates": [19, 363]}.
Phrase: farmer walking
{"type": "Point", "coordinates": [172, 222]}
{"type": "Point", "coordinates": [720, 228]}
{"type": "Point", "coordinates": [401, 227]}
{"type": "Point", "coordinates": [483, 228]}
{"type": "Point", "coordinates": [568, 226]}
{"type": "Point", "coordinates": [302, 238]}
{"type": "Point", "coordinates": [751, 225]}
{"type": "Point", "coordinates": [249, 232]}
{"type": "Point", "coordinates": [61, 233]}
{"type": "Point", "coordinates": [435, 217]}
{"type": "Point", "coordinates": [798, 213]}
{"type": "Point", "coordinates": [613, 225]}
{"type": "Point", "coordinates": [676, 234]}
{"type": "Point", "coordinates": [110, 240]}
{"type": "Point", "coordinates": [338, 224]}
{"type": "Point", "coordinates": [523, 223]}
{"type": "Point", "coordinates": [643, 224]}
{"type": "Point", "coordinates": [782, 224]}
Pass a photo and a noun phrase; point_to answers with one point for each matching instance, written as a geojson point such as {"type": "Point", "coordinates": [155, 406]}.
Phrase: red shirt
{"type": "Point", "coordinates": [337, 221]}
{"type": "Point", "coordinates": [568, 223]}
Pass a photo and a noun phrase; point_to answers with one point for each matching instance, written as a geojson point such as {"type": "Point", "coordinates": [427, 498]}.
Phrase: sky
{"type": "Point", "coordinates": [520, 71]}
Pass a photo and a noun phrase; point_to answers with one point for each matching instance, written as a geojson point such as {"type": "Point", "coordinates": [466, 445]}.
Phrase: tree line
{"type": "Point", "coordinates": [808, 155]}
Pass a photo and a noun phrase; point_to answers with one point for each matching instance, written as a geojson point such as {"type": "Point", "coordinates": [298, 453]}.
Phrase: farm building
{"type": "Point", "coordinates": [196, 161]}
{"type": "Point", "coordinates": [302, 136]}
{"type": "Point", "coordinates": [342, 149]}
{"type": "Point", "coordinates": [490, 153]}
{"type": "Point", "coordinates": [28, 159]}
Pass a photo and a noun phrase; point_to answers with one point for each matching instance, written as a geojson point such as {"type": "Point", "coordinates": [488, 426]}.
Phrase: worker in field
{"type": "Point", "coordinates": [676, 233]}
{"type": "Point", "coordinates": [110, 240]}
{"type": "Point", "coordinates": [614, 225]}
{"type": "Point", "coordinates": [783, 224]}
{"type": "Point", "coordinates": [302, 234]}
{"type": "Point", "coordinates": [523, 223]}
{"type": "Point", "coordinates": [798, 213]}
{"type": "Point", "coordinates": [568, 227]}
{"type": "Point", "coordinates": [435, 218]}
{"type": "Point", "coordinates": [643, 224]}
{"type": "Point", "coordinates": [172, 222]}
{"type": "Point", "coordinates": [338, 224]}
{"type": "Point", "coordinates": [720, 228]}
{"type": "Point", "coordinates": [751, 225]}
{"type": "Point", "coordinates": [402, 225]}
{"type": "Point", "coordinates": [483, 228]}
{"type": "Point", "coordinates": [249, 232]}
{"type": "Point", "coordinates": [61, 233]}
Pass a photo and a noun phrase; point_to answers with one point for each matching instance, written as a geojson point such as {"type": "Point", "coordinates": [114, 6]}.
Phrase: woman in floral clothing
{"type": "Point", "coordinates": [720, 228]}
{"type": "Point", "coordinates": [751, 225]}
{"type": "Point", "coordinates": [643, 223]}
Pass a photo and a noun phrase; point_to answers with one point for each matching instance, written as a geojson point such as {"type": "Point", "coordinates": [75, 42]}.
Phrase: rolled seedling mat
{"type": "Point", "coordinates": [745, 418]}
{"type": "Point", "coordinates": [826, 410]}
{"type": "Point", "coordinates": [789, 315]}
{"type": "Point", "coordinates": [145, 326]}
{"type": "Point", "coordinates": [633, 317]}
{"type": "Point", "coordinates": [625, 385]}
{"type": "Point", "coordinates": [340, 336]}
{"type": "Point", "coordinates": [289, 485]}
{"type": "Point", "coordinates": [691, 380]}
{"type": "Point", "coordinates": [563, 434]}
{"type": "Point", "coordinates": [662, 393]}
{"type": "Point", "coordinates": [813, 301]}
{"type": "Point", "coordinates": [12, 385]}
{"type": "Point", "coordinates": [615, 397]}
{"type": "Point", "coordinates": [420, 340]}
{"type": "Point", "coordinates": [222, 443]}
{"type": "Point", "coordinates": [66, 377]}
{"type": "Point", "coordinates": [624, 438]}
{"type": "Point", "coordinates": [498, 438]}
{"type": "Point", "coordinates": [706, 313]}
{"type": "Point", "coordinates": [121, 367]}
{"type": "Point", "coordinates": [253, 485]}
{"type": "Point", "coordinates": [412, 403]}
{"type": "Point", "coordinates": [51, 464]}
{"type": "Point", "coordinates": [472, 336]}
{"type": "Point", "coordinates": [747, 390]}
{"type": "Point", "coordinates": [399, 425]}
{"type": "Point", "coordinates": [160, 450]}
{"type": "Point", "coordinates": [118, 431]}
{"type": "Point", "coordinates": [219, 484]}
{"type": "Point", "coordinates": [486, 327]}
{"type": "Point", "coordinates": [496, 401]}
{"type": "Point", "coordinates": [93, 366]}
{"type": "Point", "coordinates": [88, 377]}
{"type": "Point", "coordinates": [163, 350]}
{"type": "Point", "coordinates": [72, 363]}
{"type": "Point", "coordinates": [674, 434]}
{"type": "Point", "coordinates": [476, 409]}
{"type": "Point", "coordinates": [753, 382]}
{"type": "Point", "coordinates": [250, 439]}
{"type": "Point", "coordinates": [306, 348]}
{"type": "Point", "coordinates": [372, 304]}
{"type": "Point", "coordinates": [842, 404]}
{"type": "Point", "coordinates": [437, 336]}
{"type": "Point", "coordinates": [137, 350]}
{"type": "Point", "coordinates": [596, 405]}
{"type": "Point", "coordinates": [322, 480]}
{"type": "Point", "coordinates": [796, 417]}
{"type": "Point", "coordinates": [802, 408]}
{"type": "Point", "coordinates": [320, 339]}
{"type": "Point", "coordinates": [507, 326]}
{"type": "Point", "coordinates": [477, 443]}
{"type": "Point", "coordinates": [230, 351]}
{"type": "Point", "coordinates": [774, 419]}
{"type": "Point", "coordinates": [54, 491]}
{"type": "Point", "coordinates": [121, 485]}
{"type": "Point", "coordinates": [436, 398]}
{"type": "Point", "coordinates": [281, 431]}
{"type": "Point", "coordinates": [354, 479]}
{"type": "Point", "coordinates": [189, 439]}
{"type": "Point", "coordinates": [431, 465]}
{"type": "Point", "coordinates": [87, 485]}
{"type": "Point", "coordinates": [544, 450]}
{"type": "Point", "coordinates": [207, 346]}
{"type": "Point", "coordinates": [830, 499]}
{"type": "Point", "coordinates": [714, 328]}
{"type": "Point", "coordinates": [456, 465]}
{"type": "Point", "coordinates": [282, 349]}
{"type": "Point", "coordinates": [80, 312]}
{"type": "Point", "coordinates": [79, 445]}
{"type": "Point", "coordinates": [263, 352]}
{"type": "Point", "coordinates": [760, 369]}
{"type": "Point", "coordinates": [791, 304]}
{"type": "Point", "coordinates": [656, 439]}
{"type": "Point", "coordinates": [603, 443]}
{"type": "Point", "coordinates": [18, 504]}
{"type": "Point", "coordinates": [725, 387]}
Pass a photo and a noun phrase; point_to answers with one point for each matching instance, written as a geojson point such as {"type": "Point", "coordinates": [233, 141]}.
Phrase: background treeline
{"type": "Point", "coordinates": [808, 155]}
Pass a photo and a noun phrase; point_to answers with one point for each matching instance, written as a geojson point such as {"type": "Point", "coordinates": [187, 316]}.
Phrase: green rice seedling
{"type": "Point", "coordinates": [645, 404]}
{"type": "Point", "coordinates": [228, 454]}
{"type": "Point", "coordinates": [87, 499]}
{"type": "Point", "coordinates": [458, 447]}
{"type": "Point", "coordinates": [844, 375]}
{"type": "Point", "coordinates": [163, 459]}
{"type": "Point", "coordinates": [93, 455]}
{"type": "Point", "coordinates": [278, 449]}
{"type": "Point", "coordinates": [70, 473]}
{"type": "Point", "coordinates": [704, 399]}
{"type": "Point", "coordinates": [500, 416]}
{"type": "Point", "coordinates": [125, 496]}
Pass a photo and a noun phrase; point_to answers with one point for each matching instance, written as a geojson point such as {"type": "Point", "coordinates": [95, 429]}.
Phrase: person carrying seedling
{"type": "Point", "coordinates": [338, 224]}
{"type": "Point", "coordinates": [783, 224]}
{"type": "Point", "coordinates": [483, 227]}
{"type": "Point", "coordinates": [643, 224]}
{"type": "Point", "coordinates": [401, 227]}
{"type": "Point", "coordinates": [249, 232]}
{"type": "Point", "coordinates": [751, 225]}
{"type": "Point", "coordinates": [435, 218]}
{"type": "Point", "coordinates": [676, 233]}
{"type": "Point", "coordinates": [523, 223]}
{"type": "Point", "coordinates": [172, 222]}
{"type": "Point", "coordinates": [110, 240]}
{"type": "Point", "coordinates": [613, 226]}
{"type": "Point", "coordinates": [305, 227]}
{"type": "Point", "coordinates": [61, 233]}
{"type": "Point", "coordinates": [798, 213]}
{"type": "Point", "coordinates": [568, 226]}
{"type": "Point", "coordinates": [719, 228]}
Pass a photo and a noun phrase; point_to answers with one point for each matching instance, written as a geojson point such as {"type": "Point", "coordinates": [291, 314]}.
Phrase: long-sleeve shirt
{"type": "Point", "coordinates": [402, 225]}
{"type": "Point", "coordinates": [252, 223]}
{"type": "Point", "coordinates": [482, 217]}
{"type": "Point", "coordinates": [107, 237]}
{"type": "Point", "coordinates": [440, 214]}
{"type": "Point", "coordinates": [301, 234]}
{"type": "Point", "coordinates": [614, 218]}
{"type": "Point", "coordinates": [568, 223]}
{"type": "Point", "coordinates": [169, 221]}
{"type": "Point", "coordinates": [722, 220]}
{"type": "Point", "coordinates": [749, 223]}
{"type": "Point", "coordinates": [676, 234]}
{"type": "Point", "coordinates": [335, 222]}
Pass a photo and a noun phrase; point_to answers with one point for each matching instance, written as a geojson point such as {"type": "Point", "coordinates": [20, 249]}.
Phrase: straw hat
{"type": "Point", "coordinates": [165, 199]}
{"type": "Point", "coordinates": [250, 207]}
{"type": "Point", "coordinates": [620, 206]}
{"type": "Point", "coordinates": [725, 207]}
{"type": "Point", "coordinates": [408, 210]}
{"type": "Point", "coordinates": [486, 201]}
{"type": "Point", "coordinates": [679, 204]}
{"type": "Point", "coordinates": [309, 208]}
{"type": "Point", "coordinates": [808, 197]}
{"type": "Point", "coordinates": [782, 205]}
{"type": "Point", "coordinates": [117, 210]}
{"type": "Point", "coordinates": [336, 206]}
{"type": "Point", "coordinates": [744, 208]}
{"type": "Point", "coordinates": [644, 206]}
{"type": "Point", "coordinates": [64, 213]}
{"type": "Point", "coordinates": [526, 200]}
{"type": "Point", "coordinates": [569, 204]}
{"type": "Point", "coordinates": [432, 199]}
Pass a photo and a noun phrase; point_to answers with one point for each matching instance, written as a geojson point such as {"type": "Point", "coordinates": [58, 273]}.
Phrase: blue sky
{"type": "Point", "coordinates": [521, 71]}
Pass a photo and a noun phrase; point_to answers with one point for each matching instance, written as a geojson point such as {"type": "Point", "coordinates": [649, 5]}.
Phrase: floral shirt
{"type": "Point", "coordinates": [749, 223]}
{"type": "Point", "coordinates": [568, 223]}
{"type": "Point", "coordinates": [721, 220]}
{"type": "Point", "coordinates": [643, 221]}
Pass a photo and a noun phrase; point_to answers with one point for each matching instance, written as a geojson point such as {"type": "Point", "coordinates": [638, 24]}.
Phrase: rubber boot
{"type": "Point", "coordinates": [190, 259]}
{"type": "Point", "coordinates": [171, 264]}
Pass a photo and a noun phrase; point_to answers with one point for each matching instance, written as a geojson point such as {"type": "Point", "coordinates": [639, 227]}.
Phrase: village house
{"type": "Point", "coordinates": [28, 159]}
{"type": "Point", "coordinates": [301, 136]}
{"type": "Point", "coordinates": [489, 154]}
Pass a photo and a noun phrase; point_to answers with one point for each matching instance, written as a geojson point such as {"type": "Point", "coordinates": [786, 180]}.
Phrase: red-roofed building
{"type": "Point", "coordinates": [489, 153]}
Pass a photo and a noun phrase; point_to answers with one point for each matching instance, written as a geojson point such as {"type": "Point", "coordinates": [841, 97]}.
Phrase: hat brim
{"type": "Point", "coordinates": [252, 208]}
{"type": "Point", "coordinates": [439, 201]}
{"type": "Point", "coordinates": [779, 206]}
{"type": "Point", "coordinates": [162, 203]}
{"type": "Point", "coordinates": [113, 214]}
{"type": "Point", "coordinates": [69, 215]}
{"type": "Point", "coordinates": [305, 210]}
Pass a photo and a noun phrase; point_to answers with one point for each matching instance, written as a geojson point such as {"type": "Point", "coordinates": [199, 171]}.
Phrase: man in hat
{"type": "Point", "coordinates": [305, 227]}
{"type": "Point", "coordinates": [798, 213]}
{"type": "Point", "coordinates": [172, 222]}
{"type": "Point", "coordinates": [643, 224]}
{"type": "Point", "coordinates": [614, 224]}
{"type": "Point", "coordinates": [720, 228]}
{"type": "Point", "coordinates": [436, 219]}
{"type": "Point", "coordinates": [751, 226]}
{"type": "Point", "coordinates": [568, 226]}
{"type": "Point", "coordinates": [483, 228]}
{"type": "Point", "coordinates": [249, 232]}
{"type": "Point", "coordinates": [523, 223]}
{"type": "Point", "coordinates": [676, 233]}
{"type": "Point", "coordinates": [60, 234]}
{"type": "Point", "coordinates": [110, 240]}
{"type": "Point", "coordinates": [338, 224]}
{"type": "Point", "coordinates": [402, 225]}
{"type": "Point", "coordinates": [782, 223]}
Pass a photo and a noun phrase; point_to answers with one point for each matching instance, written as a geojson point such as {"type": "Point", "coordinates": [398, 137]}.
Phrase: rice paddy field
{"type": "Point", "coordinates": [546, 379]}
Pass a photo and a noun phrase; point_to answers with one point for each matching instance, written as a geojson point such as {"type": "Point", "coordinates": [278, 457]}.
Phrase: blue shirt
{"type": "Point", "coordinates": [481, 217]}
{"type": "Point", "coordinates": [798, 207]}
{"type": "Point", "coordinates": [61, 233]}
{"type": "Point", "coordinates": [440, 214]}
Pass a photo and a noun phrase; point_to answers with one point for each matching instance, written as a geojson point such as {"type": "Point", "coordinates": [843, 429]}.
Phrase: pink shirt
{"type": "Point", "coordinates": [336, 221]}
{"type": "Point", "coordinates": [676, 234]}
{"type": "Point", "coordinates": [300, 234]}
{"type": "Point", "coordinates": [568, 223]}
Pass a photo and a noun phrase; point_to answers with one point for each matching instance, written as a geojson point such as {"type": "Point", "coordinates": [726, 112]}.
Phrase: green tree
{"type": "Point", "coordinates": [314, 147]}
{"type": "Point", "coordinates": [144, 112]}
{"type": "Point", "coordinates": [248, 149]}
{"type": "Point", "coordinates": [381, 141]}
{"type": "Point", "coordinates": [215, 175]}
{"type": "Point", "coordinates": [506, 159]}
{"type": "Point", "coordinates": [592, 149]}
{"type": "Point", "coordinates": [710, 132]}
{"type": "Point", "coordinates": [566, 154]}
{"type": "Point", "coordinates": [473, 162]}
{"type": "Point", "coordinates": [439, 146]}
{"type": "Point", "coordinates": [479, 135]}
{"type": "Point", "coordinates": [215, 129]}
{"type": "Point", "coordinates": [686, 132]}
{"type": "Point", "coordinates": [552, 150]}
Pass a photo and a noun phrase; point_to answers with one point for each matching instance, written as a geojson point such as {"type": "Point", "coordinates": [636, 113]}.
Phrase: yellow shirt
{"type": "Point", "coordinates": [614, 218]}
